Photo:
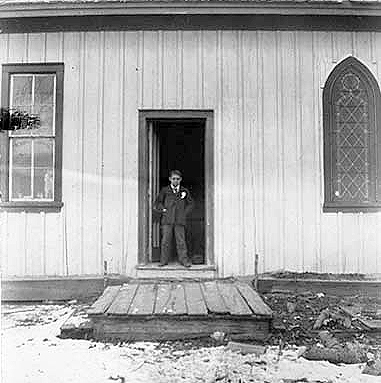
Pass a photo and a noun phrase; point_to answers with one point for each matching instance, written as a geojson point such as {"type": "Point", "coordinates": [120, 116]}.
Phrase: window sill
{"type": "Point", "coordinates": [33, 207]}
{"type": "Point", "coordinates": [334, 208]}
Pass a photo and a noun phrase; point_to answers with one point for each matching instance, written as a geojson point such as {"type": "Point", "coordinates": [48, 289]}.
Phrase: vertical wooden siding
{"type": "Point", "coordinates": [265, 89]}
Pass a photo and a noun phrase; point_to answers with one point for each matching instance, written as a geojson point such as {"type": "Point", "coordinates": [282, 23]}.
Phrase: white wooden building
{"type": "Point", "coordinates": [232, 93]}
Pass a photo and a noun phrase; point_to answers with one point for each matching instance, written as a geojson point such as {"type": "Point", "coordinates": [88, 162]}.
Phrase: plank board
{"type": "Point", "coordinates": [213, 299]}
{"type": "Point", "coordinates": [163, 294]}
{"type": "Point", "coordinates": [233, 299]}
{"type": "Point", "coordinates": [172, 328]}
{"type": "Point", "coordinates": [123, 300]}
{"type": "Point", "coordinates": [176, 304]}
{"type": "Point", "coordinates": [170, 299]}
{"type": "Point", "coordinates": [194, 300]}
{"type": "Point", "coordinates": [104, 301]}
{"type": "Point", "coordinates": [144, 300]}
{"type": "Point", "coordinates": [253, 299]}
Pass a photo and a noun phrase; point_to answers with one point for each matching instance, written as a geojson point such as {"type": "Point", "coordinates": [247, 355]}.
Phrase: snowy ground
{"type": "Point", "coordinates": [32, 353]}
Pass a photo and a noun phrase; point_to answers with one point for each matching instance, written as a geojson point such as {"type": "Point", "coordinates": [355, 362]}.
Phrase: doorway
{"type": "Point", "coordinates": [176, 140]}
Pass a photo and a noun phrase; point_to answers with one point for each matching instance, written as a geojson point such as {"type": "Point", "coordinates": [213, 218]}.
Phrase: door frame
{"type": "Point", "coordinates": [145, 116]}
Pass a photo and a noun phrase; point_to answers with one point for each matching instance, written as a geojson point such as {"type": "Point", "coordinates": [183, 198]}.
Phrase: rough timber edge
{"type": "Point", "coordinates": [164, 328]}
{"type": "Point", "coordinates": [158, 329]}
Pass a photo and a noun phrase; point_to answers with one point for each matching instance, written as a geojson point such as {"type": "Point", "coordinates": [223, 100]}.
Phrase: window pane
{"type": "Point", "coordinates": [44, 104]}
{"type": "Point", "coordinates": [21, 185]}
{"type": "Point", "coordinates": [43, 169]}
{"type": "Point", "coordinates": [21, 153]}
{"type": "Point", "coordinates": [43, 183]}
{"type": "Point", "coordinates": [45, 114]}
{"type": "Point", "coordinates": [44, 90]}
{"type": "Point", "coordinates": [21, 168]}
{"type": "Point", "coordinates": [43, 153]}
{"type": "Point", "coordinates": [21, 97]}
{"type": "Point", "coordinates": [24, 109]}
{"type": "Point", "coordinates": [21, 90]}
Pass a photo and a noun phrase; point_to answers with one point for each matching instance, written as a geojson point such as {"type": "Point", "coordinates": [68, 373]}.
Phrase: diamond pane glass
{"type": "Point", "coordinates": [351, 139]}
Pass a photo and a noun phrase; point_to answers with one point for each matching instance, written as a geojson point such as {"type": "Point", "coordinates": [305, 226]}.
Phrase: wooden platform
{"type": "Point", "coordinates": [155, 310]}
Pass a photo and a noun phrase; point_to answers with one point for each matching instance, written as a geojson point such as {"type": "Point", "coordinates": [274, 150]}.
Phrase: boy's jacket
{"type": "Point", "coordinates": [178, 205]}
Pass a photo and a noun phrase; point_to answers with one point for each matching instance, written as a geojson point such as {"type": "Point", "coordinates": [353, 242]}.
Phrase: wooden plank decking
{"type": "Point", "coordinates": [180, 298]}
{"type": "Point", "coordinates": [146, 310]}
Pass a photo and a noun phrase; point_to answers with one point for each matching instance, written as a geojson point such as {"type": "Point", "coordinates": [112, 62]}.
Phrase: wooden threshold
{"type": "Point", "coordinates": [175, 271]}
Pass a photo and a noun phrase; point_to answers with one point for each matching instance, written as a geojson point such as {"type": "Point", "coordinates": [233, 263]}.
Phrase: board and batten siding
{"type": "Point", "coordinates": [265, 88]}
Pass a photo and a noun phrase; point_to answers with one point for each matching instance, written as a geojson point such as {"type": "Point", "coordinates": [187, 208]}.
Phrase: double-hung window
{"type": "Point", "coordinates": [31, 157]}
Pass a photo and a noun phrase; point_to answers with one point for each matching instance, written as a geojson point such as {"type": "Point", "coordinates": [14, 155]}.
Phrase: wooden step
{"type": "Point", "coordinates": [176, 309]}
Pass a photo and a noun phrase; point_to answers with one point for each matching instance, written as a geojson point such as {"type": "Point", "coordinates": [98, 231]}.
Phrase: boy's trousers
{"type": "Point", "coordinates": [168, 231]}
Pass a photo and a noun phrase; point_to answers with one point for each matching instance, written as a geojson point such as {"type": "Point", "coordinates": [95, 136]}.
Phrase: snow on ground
{"type": "Point", "coordinates": [32, 353]}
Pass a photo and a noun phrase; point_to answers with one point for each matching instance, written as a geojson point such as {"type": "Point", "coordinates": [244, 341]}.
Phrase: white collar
{"type": "Point", "coordinates": [175, 188]}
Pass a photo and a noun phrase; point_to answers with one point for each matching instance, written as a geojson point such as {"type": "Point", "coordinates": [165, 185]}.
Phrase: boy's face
{"type": "Point", "coordinates": [175, 180]}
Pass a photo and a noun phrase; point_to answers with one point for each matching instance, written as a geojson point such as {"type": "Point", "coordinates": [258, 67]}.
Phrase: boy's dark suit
{"type": "Point", "coordinates": [177, 205]}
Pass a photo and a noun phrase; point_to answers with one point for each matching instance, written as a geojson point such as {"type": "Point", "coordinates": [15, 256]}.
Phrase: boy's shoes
{"type": "Point", "coordinates": [186, 263]}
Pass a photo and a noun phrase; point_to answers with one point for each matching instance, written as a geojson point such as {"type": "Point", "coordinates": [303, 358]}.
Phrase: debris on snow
{"type": "Point", "coordinates": [218, 336]}
{"type": "Point", "coordinates": [328, 340]}
{"type": "Point", "coordinates": [245, 348]}
{"type": "Point", "coordinates": [373, 366]}
{"type": "Point", "coordinates": [332, 318]}
{"type": "Point", "coordinates": [291, 306]}
{"type": "Point", "coordinates": [26, 326]}
{"type": "Point", "coordinates": [77, 325]}
{"type": "Point", "coordinates": [334, 352]}
{"type": "Point", "coordinates": [301, 351]}
{"type": "Point", "coordinates": [322, 318]}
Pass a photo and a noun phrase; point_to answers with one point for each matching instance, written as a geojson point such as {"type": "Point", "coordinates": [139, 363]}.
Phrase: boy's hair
{"type": "Point", "coordinates": [175, 172]}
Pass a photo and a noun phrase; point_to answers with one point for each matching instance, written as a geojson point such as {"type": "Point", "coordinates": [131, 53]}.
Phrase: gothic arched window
{"type": "Point", "coordinates": [352, 139]}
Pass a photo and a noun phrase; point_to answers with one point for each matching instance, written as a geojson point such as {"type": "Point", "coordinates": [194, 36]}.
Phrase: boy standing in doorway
{"type": "Point", "coordinates": [175, 203]}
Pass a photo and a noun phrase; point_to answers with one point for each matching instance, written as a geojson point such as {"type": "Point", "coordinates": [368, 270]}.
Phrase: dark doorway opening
{"type": "Point", "coordinates": [181, 139]}
{"type": "Point", "coordinates": [180, 144]}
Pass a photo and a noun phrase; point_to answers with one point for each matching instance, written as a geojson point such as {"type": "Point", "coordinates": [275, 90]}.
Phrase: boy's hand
{"type": "Point", "coordinates": [164, 210]}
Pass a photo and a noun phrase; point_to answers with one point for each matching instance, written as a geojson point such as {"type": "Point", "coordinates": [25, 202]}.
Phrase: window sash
{"type": "Point", "coordinates": [32, 170]}
{"type": "Point", "coordinates": [30, 133]}
{"type": "Point", "coordinates": [32, 137]}
{"type": "Point", "coordinates": [343, 192]}
{"type": "Point", "coordinates": [45, 107]}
